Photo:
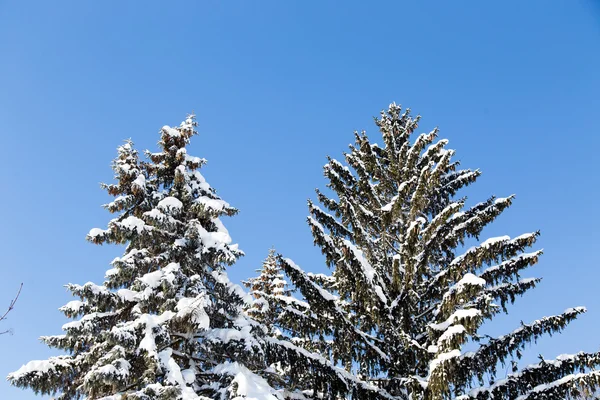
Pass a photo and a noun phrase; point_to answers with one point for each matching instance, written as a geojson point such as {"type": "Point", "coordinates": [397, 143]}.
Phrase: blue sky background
{"type": "Point", "coordinates": [277, 86]}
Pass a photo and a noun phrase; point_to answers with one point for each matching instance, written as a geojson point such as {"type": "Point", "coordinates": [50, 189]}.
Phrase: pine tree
{"type": "Point", "coordinates": [167, 323]}
{"type": "Point", "coordinates": [289, 321]}
{"type": "Point", "coordinates": [404, 299]}
{"type": "Point", "coordinates": [274, 304]}
{"type": "Point", "coordinates": [268, 290]}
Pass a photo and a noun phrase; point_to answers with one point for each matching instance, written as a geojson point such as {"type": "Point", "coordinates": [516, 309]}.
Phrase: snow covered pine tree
{"type": "Point", "coordinates": [289, 322]}
{"type": "Point", "coordinates": [401, 302]}
{"type": "Point", "coordinates": [167, 323]}
{"type": "Point", "coordinates": [268, 290]}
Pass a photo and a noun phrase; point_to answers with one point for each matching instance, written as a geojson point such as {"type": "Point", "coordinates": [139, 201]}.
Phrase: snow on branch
{"type": "Point", "coordinates": [488, 355]}
{"type": "Point", "coordinates": [538, 376]}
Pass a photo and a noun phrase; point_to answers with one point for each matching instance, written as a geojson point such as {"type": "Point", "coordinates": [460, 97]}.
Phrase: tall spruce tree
{"type": "Point", "coordinates": [167, 323]}
{"type": "Point", "coordinates": [404, 298]}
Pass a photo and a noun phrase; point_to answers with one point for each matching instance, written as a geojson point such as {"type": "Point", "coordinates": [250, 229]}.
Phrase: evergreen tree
{"type": "Point", "coordinates": [268, 290]}
{"type": "Point", "coordinates": [167, 323]}
{"type": "Point", "coordinates": [274, 304]}
{"type": "Point", "coordinates": [289, 321]}
{"type": "Point", "coordinates": [404, 299]}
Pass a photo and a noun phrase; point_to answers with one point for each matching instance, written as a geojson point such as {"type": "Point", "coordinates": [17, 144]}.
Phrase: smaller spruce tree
{"type": "Point", "coordinates": [267, 290]}
{"type": "Point", "coordinates": [288, 321]}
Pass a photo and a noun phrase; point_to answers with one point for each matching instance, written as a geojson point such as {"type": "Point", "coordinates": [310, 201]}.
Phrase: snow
{"type": "Point", "coordinates": [175, 376]}
{"type": "Point", "coordinates": [524, 236]}
{"type": "Point", "coordinates": [293, 301]}
{"type": "Point", "coordinates": [73, 306]}
{"type": "Point", "coordinates": [129, 256]}
{"type": "Point", "coordinates": [575, 310]}
{"type": "Point", "coordinates": [89, 286]}
{"type": "Point", "coordinates": [127, 295]}
{"type": "Point", "coordinates": [388, 206]}
{"type": "Point", "coordinates": [368, 270]}
{"type": "Point", "coordinates": [527, 281]}
{"type": "Point", "coordinates": [151, 328]}
{"type": "Point", "coordinates": [318, 225]}
{"type": "Point", "coordinates": [559, 382]}
{"type": "Point", "coordinates": [233, 288]}
{"type": "Point", "coordinates": [41, 367]}
{"type": "Point", "coordinates": [219, 225]}
{"type": "Point", "coordinates": [432, 147]}
{"type": "Point", "coordinates": [170, 131]}
{"type": "Point", "coordinates": [152, 279]}
{"type": "Point", "coordinates": [107, 370]}
{"type": "Point", "coordinates": [471, 279]}
{"type": "Point", "coordinates": [401, 189]}
{"type": "Point", "coordinates": [213, 204]}
{"type": "Point", "coordinates": [468, 279]}
{"type": "Point", "coordinates": [501, 200]}
{"type": "Point", "coordinates": [217, 240]}
{"type": "Point", "coordinates": [567, 357]}
{"type": "Point", "coordinates": [456, 215]}
{"type": "Point", "coordinates": [512, 377]}
{"type": "Point", "coordinates": [492, 241]}
{"type": "Point", "coordinates": [484, 245]}
{"type": "Point", "coordinates": [180, 242]}
{"type": "Point", "coordinates": [200, 181]}
{"type": "Point", "coordinates": [458, 315]}
{"type": "Point", "coordinates": [119, 368]}
{"type": "Point", "coordinates": [278, 281]}
{"type": "Point", "coordinates": [173, 372]}
{"type": "Point", "coordinates": [170, 203]}
{"type": "Point", "coordinates": [195, 160]}
{"type": "Point", "coordinates": [348, 377]}
{"type": "Point", "coordinates": [440, 359]}
{"type": "Point", "coordinates": [325, 294]}
{"type": "Point", "coordinates": [248, 385]}
{"type": "Point", "coordinates": [450, 333]}
{"type": "Point", "coordinates": [134, 223]}
{"type": "Point", "coordinates": [155, 214]}
{"type": "Point", "coordinates": [420, 221]}
{"type": "Point", "coordinates": [87, 321]}
{"type": "Point", "coordinates": [240, 334]}
{"type": "Point", "coordinates": [140, 182]}
{"type": "Point", "coordinates": [509, 263]}
{"type": "Point", "coordinates": [195, 309]}
{"type": "Point", "coordinates": [94, 232]}
{"type": "Point", "coordinates": [189, 376]}
{"type": "Point", "coordinates": [432, 349]}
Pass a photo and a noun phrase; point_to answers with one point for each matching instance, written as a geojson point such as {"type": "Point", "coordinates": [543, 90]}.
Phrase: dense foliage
{"type": "Point", "coordinates": [167, 323]}
{"type": "Point", "coordinates": [404, 297]}
{"type": "Point", "coordinates": [393, 320]}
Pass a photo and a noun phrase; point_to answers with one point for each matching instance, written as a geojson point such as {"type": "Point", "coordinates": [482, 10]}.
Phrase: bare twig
{"type": "Point", "coordinates": [10, 307]}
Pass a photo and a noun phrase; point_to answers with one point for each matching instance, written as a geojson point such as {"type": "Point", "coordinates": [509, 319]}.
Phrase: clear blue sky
{"type": "Point", "coordinates": [277, 86]}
